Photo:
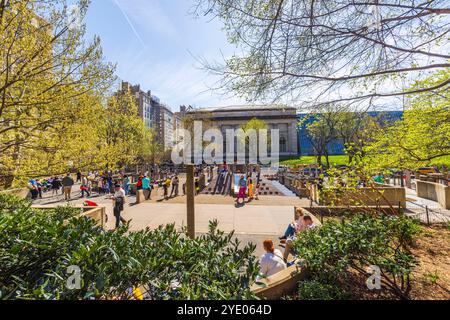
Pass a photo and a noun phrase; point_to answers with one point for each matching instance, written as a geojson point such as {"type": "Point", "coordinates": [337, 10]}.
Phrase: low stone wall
{"type": "Point", "coordinates": [328, 211]}
{"type": "Point", "coordinates": [20, 193]}
{"type": "Point", "coordinates": [434, 191]}
{"type": "Point", "coordinates": [296, 185]}
{"type": "Point", "coordinates": [379, 196]}
{"type": "Point", "coordinates": [281, 284]}
{"type": "Point", "coordinates": [96, 213]}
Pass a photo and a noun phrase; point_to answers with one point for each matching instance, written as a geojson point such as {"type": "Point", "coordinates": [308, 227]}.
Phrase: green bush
{"type": "Point", "coordinates": [317, 290]}
{"type": "Point", "coordinates": [332, 251]}
{"type": "Point", "coordinates": [38, 246]}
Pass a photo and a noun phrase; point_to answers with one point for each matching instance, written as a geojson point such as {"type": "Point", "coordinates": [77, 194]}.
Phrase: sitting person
{"type": "Point", "coordinates": [296, 226]}
{"type": "Point", "coordinates": [271, 262]}
{"type": "Point", "coordinates": [308, 225]}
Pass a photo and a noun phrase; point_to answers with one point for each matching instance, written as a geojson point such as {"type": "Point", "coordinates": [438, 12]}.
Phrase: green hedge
{"type": "Point", "coordinates": [38, 246]}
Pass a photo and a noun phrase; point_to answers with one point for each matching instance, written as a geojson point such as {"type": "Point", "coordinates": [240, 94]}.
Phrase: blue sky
{"type": "Point", "coordinates": [154, 43]}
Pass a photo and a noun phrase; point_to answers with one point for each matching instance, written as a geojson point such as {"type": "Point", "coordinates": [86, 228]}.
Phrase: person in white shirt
{"type": "Point", "coordinates": [272, 261]}
{"type": "Point", "coordinates": [119, 202]}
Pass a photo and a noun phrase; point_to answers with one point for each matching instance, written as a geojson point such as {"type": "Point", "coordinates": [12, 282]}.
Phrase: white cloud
{"type": "Point", "coordinates": [148, 15]}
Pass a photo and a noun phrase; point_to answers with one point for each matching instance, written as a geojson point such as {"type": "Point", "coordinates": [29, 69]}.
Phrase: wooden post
{"type": "Point", "coordinates": [190, 201]}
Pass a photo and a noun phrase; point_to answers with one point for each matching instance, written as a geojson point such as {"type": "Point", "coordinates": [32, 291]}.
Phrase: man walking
{"type": "Point", "coordinates": [67, 183]}
{"type": "Point", "coordinates": [85, 186]}
{"type": "Point", "coordinates": [119, 203]}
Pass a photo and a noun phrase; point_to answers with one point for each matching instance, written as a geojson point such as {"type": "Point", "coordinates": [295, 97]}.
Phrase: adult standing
{"type": "Point", "coordinates": [39, 188]}
{"type": "Point", "coordinates": [242, 184]}
{"type": "Point", "coordinates": [110, 183]}
{"type": "Point", "coordinates": [56, 185]}
{"type": "Point", "coordinates": [126, 185]}
{"type": "Point", "coordinates": [32, 185]}
{"type": "Point", "coordinates": [119, 204]}
{"type": "Point", "coordinates": [79, 176]}
{"type": "Point", "coordinates": [146, 186]}
{"type": "Point", "coordinates": [67, 183]}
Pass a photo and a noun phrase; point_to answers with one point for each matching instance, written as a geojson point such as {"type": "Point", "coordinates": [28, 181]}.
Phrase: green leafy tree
{"type": "Point", "coordinates": [423, 134]}
{"type": "Point", "coordinates": [355, 129]}
{"type": "Point", "coordinates": [253, 125]}
{"type": "Point", "coordinates": [320, 133]}
{"type": "Point", "coordinates": [51, 82]}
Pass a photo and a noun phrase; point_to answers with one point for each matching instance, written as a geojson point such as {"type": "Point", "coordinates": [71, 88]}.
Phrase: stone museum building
{"type": "Point", "coordinates": [276, 117]}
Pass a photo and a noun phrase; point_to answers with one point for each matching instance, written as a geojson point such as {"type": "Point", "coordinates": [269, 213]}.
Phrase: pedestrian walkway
{"type": "Point", "coordinates": [428, 211]}
{"type": "Point", "coordinates": [243, 220]}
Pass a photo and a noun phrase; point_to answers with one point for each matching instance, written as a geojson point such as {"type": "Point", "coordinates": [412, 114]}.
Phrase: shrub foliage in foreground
{"type": "Point", "coordinates": [38, 246]}
{"type": "Point", "coordinates": [337, 249]}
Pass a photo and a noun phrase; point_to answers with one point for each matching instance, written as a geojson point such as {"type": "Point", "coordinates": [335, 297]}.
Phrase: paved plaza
{"type": "Point", "coordinates": [254, 222]}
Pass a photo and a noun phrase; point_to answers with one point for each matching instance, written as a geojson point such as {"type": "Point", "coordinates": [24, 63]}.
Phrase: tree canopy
{"type": "Point", "coordinates": [57, 111]}
{"type": "Point", "coordinates": [421, 136]}
{"type": "Point", "coordinates": [315, 52]}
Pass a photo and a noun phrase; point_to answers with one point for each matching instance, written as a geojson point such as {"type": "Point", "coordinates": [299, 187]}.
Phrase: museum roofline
{"type": "Point", "coordinates": [243, 108]}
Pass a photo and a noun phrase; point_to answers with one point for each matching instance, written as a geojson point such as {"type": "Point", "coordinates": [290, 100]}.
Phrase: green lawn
{"type": "Point", "coordinates": [334, 160]}
{"type": "Point", "coordinates": [343, 159]}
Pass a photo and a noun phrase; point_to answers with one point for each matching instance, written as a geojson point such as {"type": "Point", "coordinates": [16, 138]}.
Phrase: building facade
{"type": "Point", "coordinates": [281, 118]}
{"type": "Point", "coordinates": [163, 123]}
{"type": "Point", "coordinates": [143, 101]}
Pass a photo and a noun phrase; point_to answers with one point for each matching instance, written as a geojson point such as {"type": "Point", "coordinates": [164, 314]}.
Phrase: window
{"type": "Point", "coordinates": [282, 144]}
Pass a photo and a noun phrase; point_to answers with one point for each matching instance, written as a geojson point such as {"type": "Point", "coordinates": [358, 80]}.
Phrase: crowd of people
{"type": "Point", "coordinates": [147, 184]}
{"type": "Point", "coordinates": [54, 184]}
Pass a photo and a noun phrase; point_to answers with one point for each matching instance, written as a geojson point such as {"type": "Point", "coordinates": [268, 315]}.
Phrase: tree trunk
{"type": "Point", "coordinates": [327, 157]}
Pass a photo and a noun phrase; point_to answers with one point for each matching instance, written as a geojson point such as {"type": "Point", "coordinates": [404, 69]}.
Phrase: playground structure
{"type": "Point", "coordinates": [226, 181]}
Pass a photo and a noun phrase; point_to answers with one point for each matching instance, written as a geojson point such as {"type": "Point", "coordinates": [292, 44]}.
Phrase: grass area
{"type": "Point", "coordinates": [334, 160]}
{"type": "Point", "coordinates": [343, 159]}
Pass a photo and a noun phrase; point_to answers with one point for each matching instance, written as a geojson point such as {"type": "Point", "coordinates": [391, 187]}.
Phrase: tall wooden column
{"type": "Point", "coordinates": [190, 201]}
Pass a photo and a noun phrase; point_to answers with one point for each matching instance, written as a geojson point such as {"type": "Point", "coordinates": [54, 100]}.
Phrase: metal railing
{"type": "Point", "coordinates": [426, 213]}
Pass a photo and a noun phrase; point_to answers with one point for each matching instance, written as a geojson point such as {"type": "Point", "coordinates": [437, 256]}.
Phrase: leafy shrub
{"type": "Point", "coordinates": [332, 251]}
{"type": "Point", "coordinates": [38, 246]}
{"type": "Point", "coordinates": [317, 290]}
